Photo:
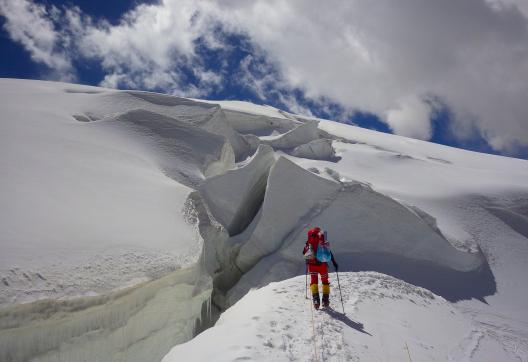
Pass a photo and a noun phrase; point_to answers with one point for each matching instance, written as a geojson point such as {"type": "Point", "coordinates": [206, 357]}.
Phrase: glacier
{"type": "Point", "coordinates": [132, 220]}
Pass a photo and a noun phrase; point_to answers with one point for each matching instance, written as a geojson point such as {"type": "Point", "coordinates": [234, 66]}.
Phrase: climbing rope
{"type": "Point", "coordinates": [316, 355]}
{"type": "Point", "coordinates": [322, 341]}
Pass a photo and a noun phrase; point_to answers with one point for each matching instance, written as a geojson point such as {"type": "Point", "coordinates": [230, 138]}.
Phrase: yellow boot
{"type": "Point", "coordinates": [326, 295]}
{"type": "Point", "coordinates": [315, 295]}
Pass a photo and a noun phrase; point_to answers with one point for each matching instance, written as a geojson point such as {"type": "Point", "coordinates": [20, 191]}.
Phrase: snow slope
{"type": "Point", "coordinates": [107, 192]}
{"type": "Point", "coordinates": [95, 205]}
{"type": "Point", "coordinates": [383, 316]}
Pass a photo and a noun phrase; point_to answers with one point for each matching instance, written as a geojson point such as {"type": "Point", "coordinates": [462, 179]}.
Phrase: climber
{"type": "Point", "coordinates": [317, 255]}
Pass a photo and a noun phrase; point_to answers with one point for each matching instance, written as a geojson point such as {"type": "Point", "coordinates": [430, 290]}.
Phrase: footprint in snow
{"type": "Point", "coordinates": [268, 344]}
{"type": "Point", "coordinates": [40, 276]}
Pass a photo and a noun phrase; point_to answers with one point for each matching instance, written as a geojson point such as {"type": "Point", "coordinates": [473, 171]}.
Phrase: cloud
{"type": "Point", "coordinates": [30, 24]}
{"type": "Point", "coordinates": [380, 57]}
{"type": "Point", "coordinates": [370, 55]}
{"type": "Point", "coordinates": [411, 118]}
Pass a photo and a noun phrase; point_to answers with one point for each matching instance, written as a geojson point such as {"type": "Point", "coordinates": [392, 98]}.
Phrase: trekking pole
{"type": "Point", "coordinates": [341, 295]}
{"type": "Point", "coordinates": [306, 283]}
{"type": "Point", "coordinates": [408, 353]}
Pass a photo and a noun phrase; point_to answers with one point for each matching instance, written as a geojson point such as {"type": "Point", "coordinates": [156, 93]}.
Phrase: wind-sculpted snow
{"type": "Point", "coordinates": [170, 101]}
{"type": "Point", "coordinates": [188, 147]}
{"type": "Point", "coordinates": [514, 215]}
{"type": "Point", "coordinates": [235, 197]}
{"type": "Point", "coordinates": [258, 125]}
{"type": "Point", "coordinates": [300, 135]}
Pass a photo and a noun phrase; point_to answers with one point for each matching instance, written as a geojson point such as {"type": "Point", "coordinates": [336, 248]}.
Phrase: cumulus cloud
{"type": "Point", "coordinates": [381, 57]}
{"type": "Point", "coordinates": [411, 118]}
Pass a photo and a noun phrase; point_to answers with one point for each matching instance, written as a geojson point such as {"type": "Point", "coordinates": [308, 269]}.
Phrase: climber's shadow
{"type": "Point", "coordinates": [343, 318]}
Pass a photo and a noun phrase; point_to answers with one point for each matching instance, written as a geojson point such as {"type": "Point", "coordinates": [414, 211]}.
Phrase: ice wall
{"type": "Point", "coordinates": [320, 149]}
{"type": "Point", "coordinates": [234, 197]}
{"type": "Point", "coordinates": [301, 134]}
{"type": "Point", "coordinates": [368, 230]}
{"type": "Point", "coordinates": [259, 125]}
{"type": "Point", "coordinates": [137, 324]}
{"type": "Point", "coordinates": [291, 195]}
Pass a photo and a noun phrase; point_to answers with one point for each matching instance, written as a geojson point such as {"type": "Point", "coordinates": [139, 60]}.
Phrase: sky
{"type": "Point", "coordinates": [453, 72]}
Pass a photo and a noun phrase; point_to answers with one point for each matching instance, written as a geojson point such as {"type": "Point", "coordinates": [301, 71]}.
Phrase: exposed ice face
{"type": "Point", "coordinates": [298, 194]}
{"type": "Point", "coordinates": [235, 197]}
{"type": "Point", "coordinates": [257, 124]}
{"type": "Point", "coordinates": [368, 230]}
{"type": "Point", "coordinates": [319, 149]}
{"type": "Point", "coordinates": [300, 135]}
{"type": "Point", "coordinates": [140, 323]}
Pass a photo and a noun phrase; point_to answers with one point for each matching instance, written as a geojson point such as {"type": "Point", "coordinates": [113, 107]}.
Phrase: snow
{"type": "Point", "coordinates": [259, 125]}
{"type": "Point", "coordinates": [235, 197]}
{"type": "Point", "coordinates": [385, 235]}
{"type": "Point", "coordinates": [319, 149]}
{"type": "Point", "coordinates": [87, 206]}
{"type": "Point", "coordinates": [300, 135]}
{"type": "Point", "coordinates": [107, 194]}
{"type": "Point", "coordinates": [218, 124]}
{"type": "Point", "coordinates": [383, 316]}
{"type": "Point", "coordinates": [247, 107]}
{"type": "Point", "coordinates": [287, 185]}
{"type": "Point", "coordinates": [464, 200]}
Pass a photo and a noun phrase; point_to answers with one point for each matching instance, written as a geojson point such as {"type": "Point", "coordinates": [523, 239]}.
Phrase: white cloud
{"type": "Point", "coordinates": [370, 55]}
{"type": "Point", "coordinates": [374, 56]}
{"type": "Point", "coordinates": [30, 25]}
{"type": "Point", "coordinates": [411, 118]}
{"type": "Point", "coordinates": [294, 106]}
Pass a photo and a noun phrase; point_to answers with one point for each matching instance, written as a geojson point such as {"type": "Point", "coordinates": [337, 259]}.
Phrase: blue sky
{"type": "Point", "coordinates": [396, 77]}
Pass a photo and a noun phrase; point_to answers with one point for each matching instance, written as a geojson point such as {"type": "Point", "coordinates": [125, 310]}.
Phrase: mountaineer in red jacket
{"type": "Point", "coordinates": [316, 240]}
